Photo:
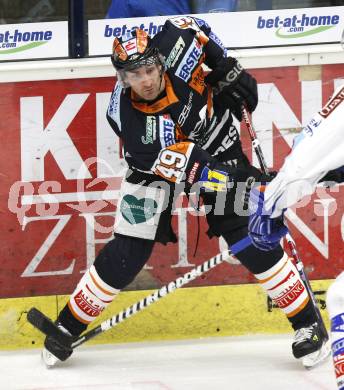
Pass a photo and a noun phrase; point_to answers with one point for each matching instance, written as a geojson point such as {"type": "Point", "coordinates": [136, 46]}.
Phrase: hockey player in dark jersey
{"type": "Point", "coordinates": [176, 126]}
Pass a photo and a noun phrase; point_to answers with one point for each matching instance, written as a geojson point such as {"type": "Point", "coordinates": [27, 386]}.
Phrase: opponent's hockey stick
{"type": "Point", "coordinates": [291, 243]}
{"type": "Point", "coordinates": [48, 327]}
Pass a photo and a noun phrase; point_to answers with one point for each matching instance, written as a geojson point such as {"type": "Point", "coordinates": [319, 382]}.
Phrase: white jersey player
{"type": "Point", "coordinates": [318, 150]}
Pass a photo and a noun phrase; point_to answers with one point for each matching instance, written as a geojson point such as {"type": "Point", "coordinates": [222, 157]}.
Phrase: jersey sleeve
{"type": "Point", "coordinates": [215, 50]}
{"type": "Point", "coordinates": [113, 111]}
{"type": "Point", "coordinates": [213, 47]}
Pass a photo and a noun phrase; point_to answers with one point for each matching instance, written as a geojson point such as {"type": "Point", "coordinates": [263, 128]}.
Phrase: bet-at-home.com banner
{"type": "Point", "coordinates": [33, 40]}
{"type": "Point", "coordinates": [62, 166]}
{"type": "Point", "coordinates": [236, 29]}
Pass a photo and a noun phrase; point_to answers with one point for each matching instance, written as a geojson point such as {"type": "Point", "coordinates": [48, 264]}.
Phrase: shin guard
{"type": "Point", "coordinates": [91, 296]}
{"type": "Point", "coordinates": [283, 284]}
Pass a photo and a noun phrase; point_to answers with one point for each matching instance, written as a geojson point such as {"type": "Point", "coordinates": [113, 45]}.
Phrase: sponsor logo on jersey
{"type": "Point", "coordinates": [136, 210]}
{"type": "Point", "coordinates": [114, 106]}
{"type": "Point", "coordinates": [167, 137]}
{"type": "Point", "coordinates": [185, 111]}
{"type": "Point", "coordinates": [150, 130]}
{"type": "Point", "coordinates": [175, 53]}
{"type": "Point", "coordinates": [193, 172]}
{"type": "Point", "coordinates": [332, 104]}
{"type": "Point", "coordinates": [228, 140]}
{"type": "Point", "coordinates": [218, 41]}
{"type": "Point", "coordinates": [312, 125]}
{"type": "Point", "coordinates": [189, 61]}
{"type": "Point", "coordinates": [214, 179]}
{"type": "Point", "coordinates": [114, 102]}
{"type": "Point", "coordinates": [197, 80]}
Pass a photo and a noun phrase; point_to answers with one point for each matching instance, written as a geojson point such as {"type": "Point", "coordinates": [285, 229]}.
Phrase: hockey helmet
{"type": "Point", "coordinates": [134, 51]}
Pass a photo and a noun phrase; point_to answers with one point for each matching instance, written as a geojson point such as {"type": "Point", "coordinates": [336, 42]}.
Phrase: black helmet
{"type": "Point", "coordinates": [134, 52]}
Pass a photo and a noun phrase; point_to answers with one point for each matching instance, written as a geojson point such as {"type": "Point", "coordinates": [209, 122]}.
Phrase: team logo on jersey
{"type": "Point", "coordinates": [189, 61]}
{"type": "Point", "coordinates": [150, 130]}
{"type": "Point", "coordinates": [175, 53]}
{"type": "Point", "coordinates": [166, 126]}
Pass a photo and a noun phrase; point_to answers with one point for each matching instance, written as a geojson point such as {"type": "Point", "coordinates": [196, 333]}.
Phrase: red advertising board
{"type": "Point", "coordinates": [61, 168]}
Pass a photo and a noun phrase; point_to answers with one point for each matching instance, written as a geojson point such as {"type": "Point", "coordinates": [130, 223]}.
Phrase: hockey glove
{"type": "Point", "coordinates": [333, 177]}
{"type": "Point", "coordinates": [265, 232]}
{"type": "Point", "coordinates": [234, 86]}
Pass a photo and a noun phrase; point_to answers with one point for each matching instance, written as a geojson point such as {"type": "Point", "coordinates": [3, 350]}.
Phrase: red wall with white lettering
{"type": "Point", "coordinates": [50, 129]}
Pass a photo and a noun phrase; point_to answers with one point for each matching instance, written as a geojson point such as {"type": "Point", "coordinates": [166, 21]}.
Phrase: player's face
{"type": "Point", "coordinates": [146, 81]}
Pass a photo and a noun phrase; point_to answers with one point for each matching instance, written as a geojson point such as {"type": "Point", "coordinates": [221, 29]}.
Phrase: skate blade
{"type": "Point", "coordinates": [314, 359]}
{"type": "Point", "coordinates": [48, 359]}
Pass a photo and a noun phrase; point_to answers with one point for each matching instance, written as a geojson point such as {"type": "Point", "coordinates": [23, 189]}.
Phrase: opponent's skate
{"type": "Point", "coordinates": [311, 345]}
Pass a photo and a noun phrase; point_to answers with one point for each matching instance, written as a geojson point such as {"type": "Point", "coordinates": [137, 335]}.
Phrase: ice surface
{"type": "Point", "coordinates": [231, 363]}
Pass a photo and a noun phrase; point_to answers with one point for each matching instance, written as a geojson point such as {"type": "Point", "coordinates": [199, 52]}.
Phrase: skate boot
{"type": "Point", "coordinates": [310, 345]}
{"type": "Point", "coordinates": [54, 350]}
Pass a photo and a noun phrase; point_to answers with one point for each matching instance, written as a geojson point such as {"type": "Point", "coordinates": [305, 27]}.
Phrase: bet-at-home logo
{"type": "Point", "coordinates": [298, 26]}
{"type": "Point", "coordinates": [16, 41]}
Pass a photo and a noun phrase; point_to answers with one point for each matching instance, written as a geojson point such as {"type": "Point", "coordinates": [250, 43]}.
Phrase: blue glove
{"type": "Point", "coordinates": [264, 231]}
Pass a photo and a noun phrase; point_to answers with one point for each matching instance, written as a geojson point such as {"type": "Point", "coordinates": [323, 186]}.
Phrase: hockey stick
{"type": "Point", "coordinates": [46, 326]}
{"type": "Point", "coordinates": [290, 241]}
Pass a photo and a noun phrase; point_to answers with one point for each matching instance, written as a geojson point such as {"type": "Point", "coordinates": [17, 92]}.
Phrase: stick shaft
{"type": "Point", "coordinates": [162, 292]}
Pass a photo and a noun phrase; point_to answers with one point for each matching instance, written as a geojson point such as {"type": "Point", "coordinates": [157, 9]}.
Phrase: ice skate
{"type": "Point", "coordinates": [54, 351]}
{"type": "Point", "coordinates": [310, 346]}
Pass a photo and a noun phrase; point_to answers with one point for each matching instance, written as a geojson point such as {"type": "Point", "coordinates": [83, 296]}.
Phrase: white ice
{"type": "Point", "coordinates": [231, 363]}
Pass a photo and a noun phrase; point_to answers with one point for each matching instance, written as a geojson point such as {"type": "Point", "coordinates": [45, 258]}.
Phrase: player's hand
{"type": "Point", "coordinates": [265, 232]}
{"type": "Point", "coordinates": [333, 177]}
{"type": "Point", "coordinates": [234, 86]}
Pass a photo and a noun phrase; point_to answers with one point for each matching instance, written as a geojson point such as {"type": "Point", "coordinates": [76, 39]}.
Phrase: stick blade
{"type": "Point", "coordinates": [45, 325]}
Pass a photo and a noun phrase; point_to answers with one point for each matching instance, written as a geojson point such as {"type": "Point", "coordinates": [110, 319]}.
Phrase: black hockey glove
{"type": "Point", "coordinates": [333, 177]}
{"type": "Point", "coordinates": [234, 86]}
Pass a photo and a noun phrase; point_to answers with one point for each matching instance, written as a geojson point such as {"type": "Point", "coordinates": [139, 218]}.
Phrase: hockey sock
{"type": "Point", "coordinates": [91, 296]}
{"type": "Point", "coordinates": [283, 284]}
{"type": "Point", "coordinates": [335, 307]}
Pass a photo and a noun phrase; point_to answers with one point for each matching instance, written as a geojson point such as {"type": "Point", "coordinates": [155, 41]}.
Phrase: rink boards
{"type": "Point", "coordinates": [185, 314]}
